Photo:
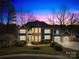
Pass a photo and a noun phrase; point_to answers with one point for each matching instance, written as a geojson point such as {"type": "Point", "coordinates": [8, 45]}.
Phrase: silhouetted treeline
{"type": "Point", "coordinates": [11, 11]}
{"type": "Point", "coordinates": [8, 29]}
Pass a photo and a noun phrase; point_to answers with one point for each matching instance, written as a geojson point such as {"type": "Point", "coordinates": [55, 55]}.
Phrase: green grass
{"type": "Point", "coordinates": [29, 50]}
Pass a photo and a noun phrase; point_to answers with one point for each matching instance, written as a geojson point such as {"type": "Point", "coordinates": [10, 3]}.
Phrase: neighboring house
{"type": "Point", "coordinates": [7, 40]}
{"type": "Point", "coordinates": [8, 35]}
{"type": "Point", "coordinates": [38, 31]}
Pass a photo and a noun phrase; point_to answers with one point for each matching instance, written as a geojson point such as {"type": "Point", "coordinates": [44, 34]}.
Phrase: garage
{"type": "Point", "coordinates": [57, 38]}
{"type": "Point", "coordinates": [66, 38]}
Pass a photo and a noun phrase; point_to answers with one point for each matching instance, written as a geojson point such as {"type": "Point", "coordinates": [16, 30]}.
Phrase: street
{"type": "Point", "coordinates": [29, 57]}
{"type": "Point", "coordinates": [33, 56]}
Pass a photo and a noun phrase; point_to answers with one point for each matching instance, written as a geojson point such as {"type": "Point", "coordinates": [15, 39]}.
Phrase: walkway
{"type": "Point", "coordinates": [72, 45]}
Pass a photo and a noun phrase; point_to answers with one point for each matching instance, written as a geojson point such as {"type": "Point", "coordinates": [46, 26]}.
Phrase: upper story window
{"type": "Point", "coordinates": [36, 30]}
{"type": "Point", "coordinates": [47, 31]}
{"type": "Point", "coordinates": [57, 31]}
{"type": "Point", "coordinates": [33, 30]}
{"type": "Point", "coordinates": [39, 30]}
{"type": "Point", "coordinates": [22, 31]}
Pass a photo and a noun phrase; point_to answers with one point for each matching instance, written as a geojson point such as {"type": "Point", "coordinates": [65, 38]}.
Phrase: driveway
{"type": "Point", "coordinates": [72, 45]}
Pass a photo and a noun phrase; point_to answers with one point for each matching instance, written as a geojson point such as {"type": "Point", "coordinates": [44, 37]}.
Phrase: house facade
{"type": "Point", "coordinates": [36, 33]}
{"type": "Point", "coordinates": [40, 31]}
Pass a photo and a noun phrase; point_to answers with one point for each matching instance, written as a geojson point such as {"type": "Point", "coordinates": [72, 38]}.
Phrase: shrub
{"type": "Point", "coordinates": [4, 46]}
{"type": "Point", "coordinates": [20, 43]}
{"type": "Point", "coordinates": [35, 43]}
{"type": "Point", "coordinates": [45, 41]}
{"type": "Point", "coordinates": [57, 46]}
{"type": "Point", "coordinates": [36, 47]}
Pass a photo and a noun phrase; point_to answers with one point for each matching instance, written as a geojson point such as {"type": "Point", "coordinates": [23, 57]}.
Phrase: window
{"type": "Point", "coordinates": [36, 30]}
{"type": "Point", "coordinates": [22, 31]}
{"type": "Point", "coordinates": [47, 31]}
{"type": "Point", "coordinates": [47, 37]}
{"type": "Point", "coordinates": [29, 37]}
{"type": "Point", "coordinates": [22, 37]}
{"type": "Point", "coordinates": [36, 38]}
{"type": "Point", "coordinates": [39, 37]}
{"type": "Point", "coordinates": [57, 32]}
{"type": "Point", "coordinates": [32, 38]}
{"type": "Point", "coordinates": [39, 30]}
{"type": "Point", "coordinates": [32, 30]}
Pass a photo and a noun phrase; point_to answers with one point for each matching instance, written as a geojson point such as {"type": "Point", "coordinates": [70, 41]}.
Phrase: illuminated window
{"type": "Point", "coordinates": [36, 38]}
{"type": "Point", "coordinates": [32, 30]}
{"type": "Point", "coordinates": [29, 37]}
{"type": "Point", "coordinates": [57, 32]}
{"type": "Point", "coordinates": [36, 30]}
{"type": "Point", "coordinates": [32, 38]}
{"type": "Point", "coordinates": [39, 30]}
{"type": "Point", "coordinates": [47, 37]}
{"type": "Point", "coordinates": [22, 31]}
{"type": "Point", "coordinates": [47, 31]}
{"type": "Point", "coordinates": [22, 37]}
{"type": "Point", "coordinates": [39, 37]}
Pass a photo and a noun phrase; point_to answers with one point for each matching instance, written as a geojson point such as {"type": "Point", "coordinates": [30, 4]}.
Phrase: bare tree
{"type": "Point", "coordinates": [63, 15]}
{"type": "Point", "coordinates": [73, 19]}
{"type": "Point", "coordinates": [52, 22]}
{"type": "Point", "coordinates": [31, 17]}
{"type": "Point", "coordinates": [21, 15]}
{"type": "Point", "coordinates": [11, 10]}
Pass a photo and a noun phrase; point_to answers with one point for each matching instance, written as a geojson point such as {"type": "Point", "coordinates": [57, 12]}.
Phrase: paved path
{"type": "Point", "coordinates": [72, 45]}
{"type": "Point", "coordinates": [35, 56]}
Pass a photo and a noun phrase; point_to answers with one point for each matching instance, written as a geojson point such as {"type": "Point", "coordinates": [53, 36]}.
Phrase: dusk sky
{"type": "Point", "coordinates": [42, 8]}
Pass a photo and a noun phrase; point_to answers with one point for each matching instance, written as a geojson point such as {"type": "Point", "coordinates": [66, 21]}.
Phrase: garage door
{"type": "Point", "coordinates": [66, 39]}
{"type": "Point", "coordinates": [22, 37]}
{"type": "Point", "coordinates": [57, 38]}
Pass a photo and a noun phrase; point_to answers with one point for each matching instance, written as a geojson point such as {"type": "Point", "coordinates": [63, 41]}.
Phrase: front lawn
{"type": "Point", "coordinates": [40, 50]}
{"type": "Point", "coordinates": [31, 50]}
